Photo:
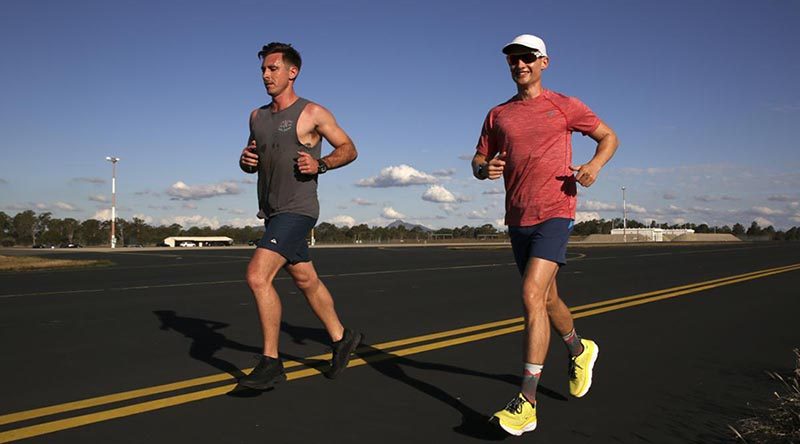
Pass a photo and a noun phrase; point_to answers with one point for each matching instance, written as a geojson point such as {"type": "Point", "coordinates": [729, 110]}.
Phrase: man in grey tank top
{"type": "Point", "coordinates": [284, 148]}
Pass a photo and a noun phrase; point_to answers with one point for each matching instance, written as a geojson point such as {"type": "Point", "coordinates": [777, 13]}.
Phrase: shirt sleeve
{"type": "Point", "coordinates": [487, 141]}
{"type": "Point", "coordinates": [580, 117]}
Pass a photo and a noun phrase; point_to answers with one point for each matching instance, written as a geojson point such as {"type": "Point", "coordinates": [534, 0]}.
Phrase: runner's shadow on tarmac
{"type": "Point", "coordinates": [299, 336]}
{"type": "Point", "coordinates": [473, 423]}
{"type": "Point", "coordinates": [206, 340]}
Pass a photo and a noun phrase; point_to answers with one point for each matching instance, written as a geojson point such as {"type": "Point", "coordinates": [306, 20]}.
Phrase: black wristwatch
{"type": "Point", "coordinates": [322, 166]}
{"type": "Point", "coordinates": [482, 171]}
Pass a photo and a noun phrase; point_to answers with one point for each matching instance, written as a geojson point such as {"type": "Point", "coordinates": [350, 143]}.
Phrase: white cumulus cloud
{"type": "Point", "coordinates": [102, 198]}
{"type": "Point", "coordinates": [593, 205]}
{"type": "Point", "coordinates": [342, 220]}
{"type": "Point", "coordinates": [391, 213]}
{"type": "Point", "coordinates": [438, 194]}
{"type": "Point", "coordinates": [65, 206]}
{"type": "Point", "coordinates": [478, 214]}
{"type": "Point", "coordinates": [633, 208]}
{"type": "Point", "coordinates": [103, 215]}
{"type": "Point", "coordinates": [192, 221]}
{"type": "Point", "coordinates": [584, 216]}
{"type": "Point", "coordinates": [147, 219]}
{"type": "Point", "coordinates": [182, 191]}
{"type": "Point", "coordinates": [763, 223]}
{"type": "Point", "coordinates": [397, 176]}
{"type": "Point", "coordinates": [363, 202]}
{"type": "Point", "coordinates": [766, 211]}
{"type": "Point", "coordinates": [444, 172]}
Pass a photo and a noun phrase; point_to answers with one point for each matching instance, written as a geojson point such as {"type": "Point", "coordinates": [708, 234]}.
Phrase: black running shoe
{"type": "Point", "coordinates": [265, 375]}
{"type": "Point", "coordinates": [341, 351]}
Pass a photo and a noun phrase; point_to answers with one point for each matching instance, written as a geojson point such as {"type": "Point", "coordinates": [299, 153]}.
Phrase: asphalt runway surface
{"type": "Point", "coordinates": [147, 350]}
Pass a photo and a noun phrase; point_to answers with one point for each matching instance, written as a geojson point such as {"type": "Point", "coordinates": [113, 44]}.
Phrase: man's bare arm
{"type": "Point", "coordinates": [607, 144]}
{"type": "Point", "coordinates": [344, 151]}
{"type": "Point", "coordinates": [493, 169]}
{"type": "Point", "coordinates": [248, 160]}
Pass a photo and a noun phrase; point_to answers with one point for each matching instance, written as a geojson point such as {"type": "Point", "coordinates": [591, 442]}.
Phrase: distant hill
{"type": "Point", "coordinates": [408, 226]}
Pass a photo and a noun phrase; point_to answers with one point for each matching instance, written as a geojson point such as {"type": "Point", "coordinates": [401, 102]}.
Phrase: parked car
{"type": "Point", "coordinates": [70, 245]}
{"type": "Point", "coordinates": [252, 242]}
{"type": "Point", "coordinates": [187, 244]}
{"type": "Point", "coordinates": [134, 246]}
{"type": "Point", "coordinates": [43, 246]}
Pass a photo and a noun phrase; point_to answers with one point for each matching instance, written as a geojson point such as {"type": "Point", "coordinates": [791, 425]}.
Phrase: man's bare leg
{"type": "Point", "coordinates": [318, 297]}
{"type": "Point", "coordinates": [536, 283]}
{"type": "Point", "coordinates": [560, 316]}
{"type": "Point", "coordinates": [261, 272]}
{"type": "Point", "coordinates": [343, 341]}
{"type": "Point", "coordinates": [562, 321]}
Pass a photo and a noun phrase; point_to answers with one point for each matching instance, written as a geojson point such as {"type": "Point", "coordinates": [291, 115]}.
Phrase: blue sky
{"type": "Point", "coordinates": [703, 96]}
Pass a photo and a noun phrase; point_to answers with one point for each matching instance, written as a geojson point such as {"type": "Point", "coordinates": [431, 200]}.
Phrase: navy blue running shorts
{"type": "Point", "coordinates": [546, 240]}
{"type": "Point", "coordinates": [285, 234]}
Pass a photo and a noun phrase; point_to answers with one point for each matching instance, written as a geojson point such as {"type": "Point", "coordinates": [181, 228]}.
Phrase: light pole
{"type": "Point", "coordinates": [624, 218]}
{"type": "Point", "coordinates": [113, 161]}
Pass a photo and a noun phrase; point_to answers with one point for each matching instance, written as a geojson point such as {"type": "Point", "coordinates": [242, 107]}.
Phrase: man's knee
{"type": "Point", "coordinates": [304, 276]}
{"type": "Point", "coordinates": [306, 282]}
{"type": "Point", "coordinates": [257, 279]}
{"type": "Point", "coordinates": [535, 297]}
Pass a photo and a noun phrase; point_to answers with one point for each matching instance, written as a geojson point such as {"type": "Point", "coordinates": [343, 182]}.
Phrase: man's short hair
{"type": "Point", "coordinates": [289, 54]}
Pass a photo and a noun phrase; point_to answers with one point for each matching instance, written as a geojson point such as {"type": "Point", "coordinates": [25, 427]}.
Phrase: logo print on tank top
{"type": "Point", "coordinates": [286, 125]}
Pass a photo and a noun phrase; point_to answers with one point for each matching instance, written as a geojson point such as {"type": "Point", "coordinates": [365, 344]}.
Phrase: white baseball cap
{"type": "Point", "coordinates": [526, 43]}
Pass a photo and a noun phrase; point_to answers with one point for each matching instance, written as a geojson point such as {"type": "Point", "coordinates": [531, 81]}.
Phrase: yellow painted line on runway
{"type": "Point", "coordinates": [506, 327]}
{"type": "Point", "coordinates": [675, 294]}
{"type": "Point", "coordinates": [149, 391]}
{"type": "Point", "coordinates": [682, 287]}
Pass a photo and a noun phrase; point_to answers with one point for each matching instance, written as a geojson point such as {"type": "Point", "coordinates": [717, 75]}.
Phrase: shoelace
{"type": "Point", "coordinates": [515, 405]}
{"type": "Point", "coordinates": [572, 368]}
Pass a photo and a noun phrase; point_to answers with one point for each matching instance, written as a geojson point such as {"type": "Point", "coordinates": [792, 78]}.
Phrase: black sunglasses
{"type": "Point", "coordinates": [526, 58]}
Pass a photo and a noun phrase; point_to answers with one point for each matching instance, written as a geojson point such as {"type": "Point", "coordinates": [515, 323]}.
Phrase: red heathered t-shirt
{"type": "Point", "coordinates": [536, 134]}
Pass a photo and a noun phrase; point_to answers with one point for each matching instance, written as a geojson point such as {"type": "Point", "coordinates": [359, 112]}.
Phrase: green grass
{"type": "Point", "coordinates": [27, 263]}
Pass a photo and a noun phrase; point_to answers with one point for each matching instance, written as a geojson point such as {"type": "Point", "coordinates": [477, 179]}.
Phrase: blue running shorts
{"type": "Point", "coordinates": [285, 234]}
{"type": "Point", "coordinates": [546, 240]}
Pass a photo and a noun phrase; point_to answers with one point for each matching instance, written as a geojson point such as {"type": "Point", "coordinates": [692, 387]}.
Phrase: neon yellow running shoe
{"type": "Point", "coordinates": [580, 369]}
{"type": "Point", "coordinates": [518, 417]}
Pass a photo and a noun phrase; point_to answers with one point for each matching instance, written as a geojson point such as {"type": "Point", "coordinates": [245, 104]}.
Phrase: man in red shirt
{"type": "Point", "coordinates": [528, 141]}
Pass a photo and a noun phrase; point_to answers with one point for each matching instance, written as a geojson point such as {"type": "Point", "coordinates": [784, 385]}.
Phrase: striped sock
{"type": "Point", "coordinates": [573, 343]}
{"type": "Point", "coordinates": [530, 379]}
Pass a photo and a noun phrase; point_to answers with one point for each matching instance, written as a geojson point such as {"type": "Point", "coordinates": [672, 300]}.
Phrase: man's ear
{"type": "Point", "coordinates": [293, 71]}
{"type": "Point", "coordinates": [545, 63]}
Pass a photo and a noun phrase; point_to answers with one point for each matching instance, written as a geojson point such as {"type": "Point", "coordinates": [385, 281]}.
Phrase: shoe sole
{"type": "Point", "coordinates": [267, 385]}
{"type": "Point", "coordinates": [359, 338]}
{"type": "Point", "coordinates": [516, 432]}
{"type": "Point", "coordinates": [591, 370]}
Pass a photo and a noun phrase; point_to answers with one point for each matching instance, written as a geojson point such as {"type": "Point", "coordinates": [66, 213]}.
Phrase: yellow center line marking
{"type": "Point", "coordinates": [502, 328]}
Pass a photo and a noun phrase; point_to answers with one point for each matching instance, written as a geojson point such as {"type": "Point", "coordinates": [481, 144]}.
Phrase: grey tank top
{"type": "Point", "coordinates": [281, 187]}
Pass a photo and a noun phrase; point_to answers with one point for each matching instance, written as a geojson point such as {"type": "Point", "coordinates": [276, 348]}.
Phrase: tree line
{"type": "Point", "coordinates": [754, 231]}
{"type": "Point", "coordinates": [29, 228]}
